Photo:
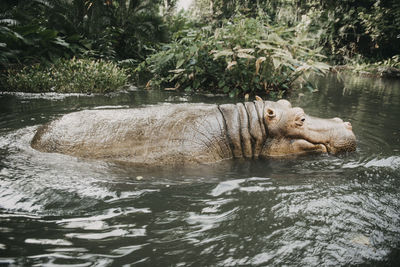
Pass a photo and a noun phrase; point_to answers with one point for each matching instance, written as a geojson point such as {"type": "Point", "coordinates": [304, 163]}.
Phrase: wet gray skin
{"type": "Point", "coordinates": [194, 133]}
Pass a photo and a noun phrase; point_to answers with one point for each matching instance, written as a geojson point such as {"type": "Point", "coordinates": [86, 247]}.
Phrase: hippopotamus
{"type": "Point", "coordinates": [194, 133]}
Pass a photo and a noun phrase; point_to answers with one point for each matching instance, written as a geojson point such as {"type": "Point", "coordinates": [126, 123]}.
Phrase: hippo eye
{"type": "Point", "coordinates": [303, 119]}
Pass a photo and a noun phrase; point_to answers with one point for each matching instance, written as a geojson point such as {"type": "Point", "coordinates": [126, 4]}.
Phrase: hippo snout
{"type": "Point", "coordinates": [348, 125]}
{"type": "Point", "coordinates": [343, 140]}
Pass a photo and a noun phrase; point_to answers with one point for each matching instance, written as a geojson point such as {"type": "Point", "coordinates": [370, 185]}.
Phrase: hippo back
{"type": "Point", "coordinates": [159, 134]}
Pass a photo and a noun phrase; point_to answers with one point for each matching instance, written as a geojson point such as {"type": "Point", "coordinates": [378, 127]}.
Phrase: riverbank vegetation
{"type": "Point", "coordinates": [243, 55]}
{"type": "Point", "coordinates": [69, 76]}
{"type": "Point", "coordinates": [229, 46]}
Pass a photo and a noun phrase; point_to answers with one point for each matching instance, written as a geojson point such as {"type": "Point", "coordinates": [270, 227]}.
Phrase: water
{"type": "Point", "coordinates": [307, 211]}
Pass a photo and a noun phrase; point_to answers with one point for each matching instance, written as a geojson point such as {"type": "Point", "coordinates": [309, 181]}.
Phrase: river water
{"type": "Point", "coordinates": [305, 211]}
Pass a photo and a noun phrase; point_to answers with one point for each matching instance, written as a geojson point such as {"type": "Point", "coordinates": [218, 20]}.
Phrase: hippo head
{"type": "Point", "coordinates": [291, 131]}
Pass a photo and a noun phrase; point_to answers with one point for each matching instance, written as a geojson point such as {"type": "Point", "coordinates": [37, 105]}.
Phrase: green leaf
{"type": "Point", "coordinates": [193, 49]}
{"type": "Point", "coordinates": [223, 53]}
{"type": "Point", "coordinates": [263, 46]}
{"type": "Point", "coordinates": [196, 84]}
{"type": "Point", "coordinates": [277, 62]}
{"type": "Point", "coordinates": [167, 58]}
{"type": "Point", "coordinates": [179, 63]}
{"type": "Point", "coordinates": [61, 42]}
{"type": "Point", "coordinates": [48, 34]}
{"type": "Point", "coordinates": [246, 50]}
{"type": "Point", "coordinates": [245, 55]}
{"type": "Point", "coordinates": [177, 71]}
{"type": "Point", "coordinates": [73, 38]}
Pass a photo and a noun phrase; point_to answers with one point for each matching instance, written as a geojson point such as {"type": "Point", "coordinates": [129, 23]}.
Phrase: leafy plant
{"type": "Point", "coordinates": [346, 29]}
{"type": "Point", "coordinates": [26, 36]}
{"type": "Point", "coordinates": [68, 76]}
{"type": "Point", "coordinates": [242, 56]}
{"type": "Point", "coordinates": [33, 31]}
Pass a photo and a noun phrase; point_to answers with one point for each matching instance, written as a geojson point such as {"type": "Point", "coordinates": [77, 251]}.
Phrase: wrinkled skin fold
{"type": "Point", "coordinates": [194, 133]}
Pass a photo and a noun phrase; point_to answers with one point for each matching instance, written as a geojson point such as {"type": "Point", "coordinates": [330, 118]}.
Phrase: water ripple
{"type": "Point", "coordinates": [307, 211]}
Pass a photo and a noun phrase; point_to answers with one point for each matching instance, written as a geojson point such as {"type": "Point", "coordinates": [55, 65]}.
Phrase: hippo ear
{"type": "Point", "coordinates": [285, 103]}
{"type": "Point", "coordinates": [270, 113]}
{"type": "Point", "coordinates": [258, 98]}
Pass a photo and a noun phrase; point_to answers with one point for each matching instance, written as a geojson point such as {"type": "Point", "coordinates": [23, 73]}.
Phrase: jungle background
{"type": "Point", "coordinates": [235, 47]}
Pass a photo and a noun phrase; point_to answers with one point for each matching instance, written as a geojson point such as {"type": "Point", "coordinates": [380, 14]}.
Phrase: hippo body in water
{"type": "Point", "coordinates": [193, 133]}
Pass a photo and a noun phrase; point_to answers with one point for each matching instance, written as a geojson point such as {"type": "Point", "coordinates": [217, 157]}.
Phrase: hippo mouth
{"type": "Point", "coordinates": [340, 146]}
{"type": "Point", "coordinates": [305, 146]}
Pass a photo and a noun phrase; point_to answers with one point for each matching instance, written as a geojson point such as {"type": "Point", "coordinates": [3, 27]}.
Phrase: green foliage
{"type": "Point", "coordinates": [346, 28]}
{"type": "Point", "coordinates": [27, 34]}
{"type": "Point", "coordinates": [384, 68]}
{"type": "Point", "coordinates": [250, 46]}
{"type": "Point", "coordinates": [350, 29]}
{"type": "Point", "coordinates": [68, 76]}
{"type": "Point", "coordinates": [393, 62]}
{"type": "Point", "coordinates": [243, 56]}
{"type": "Point", "coordinates": [33, 31]}
{"type": "Point", "coordinates": [123, 29]}
{"type": "Point", "coordinates": [32, 43]}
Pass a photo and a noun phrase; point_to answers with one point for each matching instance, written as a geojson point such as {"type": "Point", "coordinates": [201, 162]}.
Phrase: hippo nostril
{"type": "Point", "coordinates": [348, 125]}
